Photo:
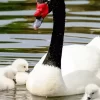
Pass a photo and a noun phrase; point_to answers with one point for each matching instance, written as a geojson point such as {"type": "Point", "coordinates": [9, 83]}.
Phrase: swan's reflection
{"type": "Point", "coordinates": [76, 97]}
{"type": "Point", "coordinates": [21, 93]}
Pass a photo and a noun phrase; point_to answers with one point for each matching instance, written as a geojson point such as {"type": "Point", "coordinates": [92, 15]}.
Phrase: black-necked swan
{"type": "Point", "coordinates": [92, 92]}
{"type": "Point", "coordinates": [78, 57]}
{"type": "Point", "coordinates": [46, 78]}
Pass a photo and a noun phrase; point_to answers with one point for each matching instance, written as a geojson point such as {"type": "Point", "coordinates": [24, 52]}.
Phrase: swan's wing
{"type": "Point", "coordinates": [79, 57]}
{"type": "Point", "coordinates": [78, 80]}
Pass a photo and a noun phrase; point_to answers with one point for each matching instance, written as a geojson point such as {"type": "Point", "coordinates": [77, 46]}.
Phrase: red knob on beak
{"type": "Point", "coordinates": [41, 10]}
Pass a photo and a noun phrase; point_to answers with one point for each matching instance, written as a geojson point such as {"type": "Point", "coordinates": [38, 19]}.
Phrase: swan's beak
{"type": "Point", "coordinates": [14, 81]}
{"type": "Point", "coordinates": [37, 23]}
{"type": "Point", "coordinates": [42, 10]}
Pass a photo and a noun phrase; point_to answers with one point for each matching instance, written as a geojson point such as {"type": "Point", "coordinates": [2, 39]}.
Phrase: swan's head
{"type": "Point", "coordinates": [95, 42]}
{"type": "Point", "coordinates": [91, 92]}
{"type": "Point", "coordinates": [21, 65]}
{"type": "Point", "coordinates": [11, 74]}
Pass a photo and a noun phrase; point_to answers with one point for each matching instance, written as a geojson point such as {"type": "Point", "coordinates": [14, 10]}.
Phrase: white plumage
{"type": "Point", "coordinates": [7, 79]}
{"type": "Point", "coordinates": [80, 66]}
{"type": "Point", "coordinates": [92, 92]}
{"type": "Point", "coordinates": [19, 66]}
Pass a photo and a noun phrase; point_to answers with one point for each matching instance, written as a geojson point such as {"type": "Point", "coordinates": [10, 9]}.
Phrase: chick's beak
{"type": "Point", "coordinates": [28, 71]}
{"type": "Point", "coordinates": [89, 98]}
{"type": "Point", "coordinates": [14, 81]}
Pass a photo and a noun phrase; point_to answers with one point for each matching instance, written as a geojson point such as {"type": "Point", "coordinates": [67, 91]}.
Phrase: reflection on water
{"type": "Point", "coordinates": [19, 40]}
{"type": "Point", "coordinates": [76, 97]}
{"type": "Point", "coordinates": [20, 93]}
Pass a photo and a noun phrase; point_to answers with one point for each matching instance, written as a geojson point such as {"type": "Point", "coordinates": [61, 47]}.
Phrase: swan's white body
{"type": "Point", "coordinates": [80, 66]}
{"type": "Point", "coordinates": [92, 92]}
{"type": "Point", "coordinates": [95, 42]}
{"type": "Point", "coordinates": [80, 57]}
{"type": "Point", "coordinates": [46, 78]}
{"type": "Point", "coordinates": [6, 79]}
{"type": "Point", "coordinates": [77, 81]}
{"type": "Point", "coordinates": [38, 83]}
{"type": "Point", "coordinates": [21, 78]}
{"type": "Point", "coordinates": [48, 81]}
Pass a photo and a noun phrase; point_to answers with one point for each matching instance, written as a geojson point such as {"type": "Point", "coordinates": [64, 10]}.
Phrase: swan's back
{"type": "Point", "coordinates": [78, 80]}
{"type": "Point", "coordinates": [95, 43]}
{"type": "Point", "coordinates": [80, 57]}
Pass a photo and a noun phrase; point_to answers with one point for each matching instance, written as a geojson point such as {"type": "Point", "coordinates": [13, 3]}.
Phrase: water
{"type": "Point", "coordinates": [19, 40]}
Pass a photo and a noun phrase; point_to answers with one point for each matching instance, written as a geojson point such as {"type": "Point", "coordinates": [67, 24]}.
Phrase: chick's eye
{"type": "Point", "coordinates": [93, 93]}
{"type": "Point", "coordinates": [24, 66]}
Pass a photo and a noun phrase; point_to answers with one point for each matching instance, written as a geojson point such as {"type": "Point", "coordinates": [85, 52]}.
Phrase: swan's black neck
{"type": "Point", "coordinates": [55, 50]}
